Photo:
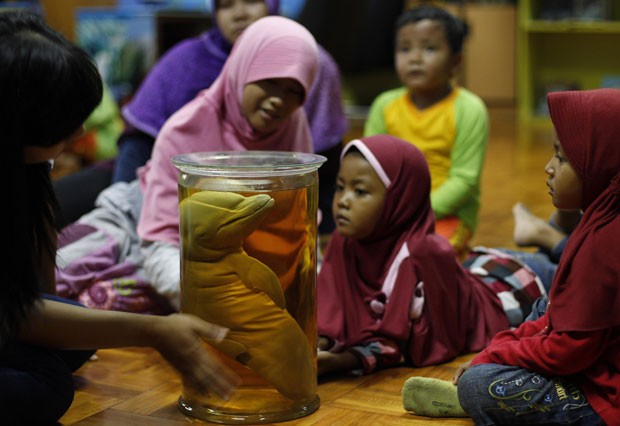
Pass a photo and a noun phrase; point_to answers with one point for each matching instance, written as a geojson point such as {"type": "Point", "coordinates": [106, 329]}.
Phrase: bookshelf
{"type": "Point", "coordinates": [564, 51]}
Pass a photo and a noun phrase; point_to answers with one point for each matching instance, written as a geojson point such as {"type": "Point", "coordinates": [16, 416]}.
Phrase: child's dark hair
{"type": "Point", "coordinates": [353, 150]}
{"type": "Point", "coordinates": [48, 87]}
{"type": "Point", "coordinates": [456, 29]}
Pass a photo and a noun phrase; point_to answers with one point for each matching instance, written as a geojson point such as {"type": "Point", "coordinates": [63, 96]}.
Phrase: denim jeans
{"type": "Point", "coordinates": [539, 307]}
{"type": "Point", "coordinates": [36, 385]}
{"type": "Point", "coordinates": [507, 395]}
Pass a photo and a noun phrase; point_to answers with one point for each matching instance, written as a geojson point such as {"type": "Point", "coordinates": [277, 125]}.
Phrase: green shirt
{"type": "Point", "coordinates": [453, 135]}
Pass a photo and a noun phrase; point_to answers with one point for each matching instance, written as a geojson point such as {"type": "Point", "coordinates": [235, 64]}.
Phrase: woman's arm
{"type": "Point", "coordinates": [178, 337]}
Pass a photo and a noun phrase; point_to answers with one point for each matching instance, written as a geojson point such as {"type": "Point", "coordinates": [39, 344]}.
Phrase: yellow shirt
{"type": "Point", "coordinates": [452, 134]}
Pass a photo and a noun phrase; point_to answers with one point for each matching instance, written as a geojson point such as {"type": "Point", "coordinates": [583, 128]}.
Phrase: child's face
{"type": "Point", "coordinates": [564, 184]}
{"type": "Point", "coordinates": [424, 60]}
{"type": "Point", "coordinates": [267, 103]}
{"type": "Point", "coordinates": [359, 197]}
{"type": "Point", "coordinates": [234, 16]}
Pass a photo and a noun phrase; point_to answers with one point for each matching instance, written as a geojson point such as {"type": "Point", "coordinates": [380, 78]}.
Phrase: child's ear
{"type": "Point", "coordinates": [457, 60]}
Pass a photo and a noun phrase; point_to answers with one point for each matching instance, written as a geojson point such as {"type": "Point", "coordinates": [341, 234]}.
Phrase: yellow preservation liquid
{"type": "Point", "coordinates": [248, 263]}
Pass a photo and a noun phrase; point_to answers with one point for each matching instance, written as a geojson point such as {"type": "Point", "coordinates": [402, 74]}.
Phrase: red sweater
{"type": "Point", "coordinates": [591, 358]}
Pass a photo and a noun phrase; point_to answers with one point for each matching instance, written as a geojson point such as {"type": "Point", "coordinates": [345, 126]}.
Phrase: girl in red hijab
{"type": "Point", "coordinates": [390, 289]}
{"type": "Point", "coordinates": [563, 368]}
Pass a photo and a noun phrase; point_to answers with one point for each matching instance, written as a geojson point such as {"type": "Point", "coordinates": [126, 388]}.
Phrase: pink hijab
{"type": "Point", "coordinates": [370, 289]}
{"type": "Point", "coordinates": [585, 294]}
{"type": "Point", "coordinates": [272, 47]}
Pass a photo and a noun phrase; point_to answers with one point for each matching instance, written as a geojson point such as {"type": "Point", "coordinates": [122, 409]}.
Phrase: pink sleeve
{"type": "Point", "coordinates": [159, 218]}
{"type": "Point", "coordinates": [186, 131]}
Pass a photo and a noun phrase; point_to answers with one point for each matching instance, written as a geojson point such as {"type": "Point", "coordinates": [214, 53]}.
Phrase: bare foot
{"type": "Point", "coordinates": [530, 230]}
{"type": "Point", "coordinates": [527, 225]}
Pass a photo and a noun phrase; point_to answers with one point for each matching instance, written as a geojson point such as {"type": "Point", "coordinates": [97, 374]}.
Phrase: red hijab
{"type": "Point", "coordinates": [366, 288]}
{"type": "Point", "coordinates": [584, 295]}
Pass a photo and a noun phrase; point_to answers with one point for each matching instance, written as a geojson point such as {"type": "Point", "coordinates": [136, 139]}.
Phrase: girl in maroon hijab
{"type": "Point", "coordinates": [390, 289]}
{"type": "Point", "coordinates": [563, 368]}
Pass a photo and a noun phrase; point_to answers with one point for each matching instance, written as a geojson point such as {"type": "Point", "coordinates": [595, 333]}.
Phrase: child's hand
{"type": "Point", "coordinates": [329, 362]}
{"type": "Point", "coordinates": [179, 338]}
{"type": "Point", "coordinates": [323, 343]}
{"type": "Point", "coordinates": [459, 371]}
{"type": "Point", "coordinates": [326, 362]}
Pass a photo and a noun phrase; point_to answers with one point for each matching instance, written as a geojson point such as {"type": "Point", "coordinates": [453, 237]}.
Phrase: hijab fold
{"type": "Point", "coordinates": [584, 294]}
{"type": "Point", "coordinates": [361, 300]}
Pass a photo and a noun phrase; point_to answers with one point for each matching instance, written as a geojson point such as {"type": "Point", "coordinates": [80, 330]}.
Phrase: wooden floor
{"type": "Point", "coordinates": [135, 387]}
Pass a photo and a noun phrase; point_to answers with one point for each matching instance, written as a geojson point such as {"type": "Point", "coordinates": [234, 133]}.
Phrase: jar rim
{"type": "Point", "coordinates": [247, 163]}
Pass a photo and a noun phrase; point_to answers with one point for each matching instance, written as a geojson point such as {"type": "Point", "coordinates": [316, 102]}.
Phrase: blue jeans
{"type": "Point", "coordinates": [36, 387]}
{"type": "Point", "coordinates": [36, 384]}
{"type": "Point", "coordinates": [499, 394]}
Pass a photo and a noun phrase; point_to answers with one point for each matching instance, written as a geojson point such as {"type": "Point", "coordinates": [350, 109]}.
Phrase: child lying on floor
{"type": "Point", "coordinates": [390, 289]}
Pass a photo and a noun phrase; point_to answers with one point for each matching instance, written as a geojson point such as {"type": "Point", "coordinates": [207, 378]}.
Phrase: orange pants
{"type": "Point", "coordinates": [455, 231]}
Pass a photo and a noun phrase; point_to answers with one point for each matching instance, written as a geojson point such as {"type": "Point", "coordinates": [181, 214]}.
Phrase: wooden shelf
{"type": "Point", "coordinates": [560, 27]}
{"type": "Point", "coordinates": [562, 54]}
{"type": "Point", "coordinates": [489, 66]}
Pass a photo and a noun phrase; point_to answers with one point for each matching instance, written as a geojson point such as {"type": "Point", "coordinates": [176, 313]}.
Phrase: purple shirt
{"type": "Point", "coordinates": [193, 65]}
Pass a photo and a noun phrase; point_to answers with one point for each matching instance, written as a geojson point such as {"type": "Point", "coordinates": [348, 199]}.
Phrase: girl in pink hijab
{"type": "Point", "coordinates": [390, 290]}
{"type": "Point", "coordinates": [253, 105]}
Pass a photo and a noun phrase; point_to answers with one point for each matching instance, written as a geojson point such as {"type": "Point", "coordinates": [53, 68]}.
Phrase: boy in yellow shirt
{"type": "Point", "coordinates": [448, 124]}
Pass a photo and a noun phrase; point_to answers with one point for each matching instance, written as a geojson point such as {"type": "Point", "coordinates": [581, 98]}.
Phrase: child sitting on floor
{"type": "Point", "coordinates": [563, 368]}
{"type": "Point", "coordinates": [448, 124]}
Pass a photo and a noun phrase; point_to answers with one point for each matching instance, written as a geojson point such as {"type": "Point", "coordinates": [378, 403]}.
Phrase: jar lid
{"type": "Point", "coordinates": [248, 163]}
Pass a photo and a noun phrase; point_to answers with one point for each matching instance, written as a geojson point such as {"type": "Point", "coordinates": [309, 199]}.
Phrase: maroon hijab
{"type": "Point", "coordinates": [366, 288]}
{"type": "Point", "coordinates": [585, 294]}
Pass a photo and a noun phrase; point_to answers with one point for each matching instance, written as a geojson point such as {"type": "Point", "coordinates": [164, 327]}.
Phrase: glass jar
{"type": "Point", "coordinates": [248, 227]}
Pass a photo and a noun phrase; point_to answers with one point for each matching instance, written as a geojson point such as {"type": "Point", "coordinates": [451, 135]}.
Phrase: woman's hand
{"type": "Point", "coordinates": [179, 339]}
{"type": "Point", "coordinates": [459, 371]}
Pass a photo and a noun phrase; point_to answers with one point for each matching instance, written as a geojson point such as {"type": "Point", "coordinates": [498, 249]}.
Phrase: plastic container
{"type": "Point", "coordinates": [248, 224]}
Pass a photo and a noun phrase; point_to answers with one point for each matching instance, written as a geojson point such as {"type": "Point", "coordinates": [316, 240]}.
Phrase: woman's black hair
{"type": "Point", "coordinates": [456, 29]}
{"type": "Point", "coordinates": [48, 87]}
